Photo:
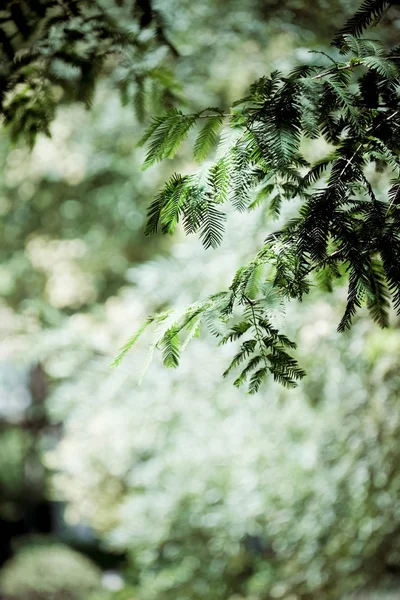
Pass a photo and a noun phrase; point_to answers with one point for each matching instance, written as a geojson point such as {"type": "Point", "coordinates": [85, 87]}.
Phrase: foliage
{"type": "Point", "coordinates": [212, 494]}
{"type": "Point", "coordinates": [343, 225]}
{"type": "Point", "coordinates": [13, 453]}
{"type": "Point", "coordinates": [48, 47]}
{"type": "Point", "coordinates": [49, 572]}
{"type": "Point", "coordinates": [72, 215]}
{"type": "Point", "coordinates": [52, 52]}
{"type": "Point", "coordinates": [351, 105]}
{"type": "Point", "coordinates": [72, 208]}
{"type": "Point", "coordinates": [126, 593]}
{"type": "Point", "coordinates": [215, 497]}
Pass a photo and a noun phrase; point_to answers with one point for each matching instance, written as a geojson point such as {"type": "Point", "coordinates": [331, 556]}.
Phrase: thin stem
{"type": "Point", "coordinates": [257, 330]}
{"type": "Point", "coordinates": [342, 68]}
{"type": "Point", "coordinates": [334, 255]}
{"type": "Point", "coordinates": [350, 160]}
{"type": "Point", "coordinates": [211, 116]}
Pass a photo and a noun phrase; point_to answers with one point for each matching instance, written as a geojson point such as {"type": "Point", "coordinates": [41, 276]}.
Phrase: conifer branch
{"type": "Point", "coordinates": [351, 159]}
{"type": "Point", "coordinates": [261, 161]}
{"type": "Point", "coordinates": [345, 67]}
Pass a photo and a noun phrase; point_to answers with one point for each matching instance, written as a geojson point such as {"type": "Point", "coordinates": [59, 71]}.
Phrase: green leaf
{"type": "Point", "coordinates": [165, 135]}
{"type": "Point", "coordinates": [218, 181]}
{"type": "Point", "coordinates": [212, 225]}
{"type": "Point", "coordinates": [167, 205]}
{"type": "Point", "coordinates": [207, 137]}
{"type": "Point", "coordinates": [131, 342]}
{"type": "Point", "coordinates": [256, 380]}
{"type": "Point", "coordinates": [170, 345]}
{"type": "Point", "coordinates": [386, 68]}
{"type": "Point", "coordinates": [254, 281]}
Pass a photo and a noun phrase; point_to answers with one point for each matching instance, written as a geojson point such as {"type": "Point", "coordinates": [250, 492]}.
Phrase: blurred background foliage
{"type": "Point", "coordinates": [49, 571]}
{"type": "Point", "coordinates": [183, 487]}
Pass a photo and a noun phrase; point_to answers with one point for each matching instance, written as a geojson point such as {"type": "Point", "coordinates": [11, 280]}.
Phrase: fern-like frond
{"type": "Point", "coordinates": [355, 297]}
{"type": "Point", "coordinates": [256, 379]}
{"type": "Point", "coordinates": [170, 347]}
{"type": "Point", "coordinates": [165, 135]}
{"type": "Point", "coordinates": [368, 14]}
{"type": "Point", "coordinates": [218, 181]}
{"type": "Point", "coordinates": [386, 68]}
{"type": "Point", "coordinates": [236, 332]}
{"type": "Point", "coordinates": [394, 193]}
{"type": "Point", "coordinates": [246, 349]}
{"type": "Point", "coordinates": [212, 225]}
{"type": "Point", "coordinates": [166, 205]}
{"type": "Point", "coordinates": [207, 137]}
{"type": "Point", "coordinates": [131, 342]}
{"type": "Point", "coordinates": [390, 255]}
{"type": "Point", "coordinates": [378, 297]}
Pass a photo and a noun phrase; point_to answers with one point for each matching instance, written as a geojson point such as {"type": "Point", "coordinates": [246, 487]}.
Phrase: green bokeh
{"type": "Point", "coordinates": [211, 495]}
